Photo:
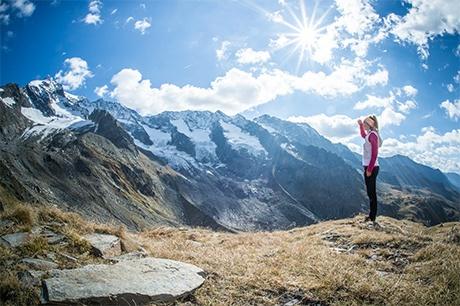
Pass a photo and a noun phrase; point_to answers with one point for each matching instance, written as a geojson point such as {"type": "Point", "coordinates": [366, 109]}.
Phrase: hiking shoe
{"type": "Point", "coordinates": [367, 219]}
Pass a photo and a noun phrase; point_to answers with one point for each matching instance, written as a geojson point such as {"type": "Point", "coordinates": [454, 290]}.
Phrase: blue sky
{"type": "Point", "coordinates": [327, 63]}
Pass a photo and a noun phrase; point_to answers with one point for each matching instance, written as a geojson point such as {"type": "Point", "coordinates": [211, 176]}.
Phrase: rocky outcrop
{"type": "Point", "coordinates": [108, 127]}
{"type": "Point", "coordinates": [104, 245]}
{"type": "Point", "coordinates": [132, 282]}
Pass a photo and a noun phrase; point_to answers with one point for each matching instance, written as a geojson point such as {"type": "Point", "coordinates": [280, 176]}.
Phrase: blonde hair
{"type": "Point", "coordinates": [376, 123]}
{"type": "Point", "coordinates": [376, 128]}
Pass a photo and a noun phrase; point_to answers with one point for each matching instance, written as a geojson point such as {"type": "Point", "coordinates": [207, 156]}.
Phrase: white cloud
{"type": "Point", "coordinates": [25, 7]}
{"type": "Point", "coordinates": [92, 19]}
{"type": "Point", "coordinates": [425, 20]}
{"type": "Point", "coordinates": [337, 128]}
{"type": "Point", "coordinates": [75, 73]}
{"type": "Point", "coordinates": [410, 90]}
{"type": "Point", "coordinates": [3, 7]}
{"type": "Point", "coordinates": [94, 14]}
{"type": "Point", "coordinates": [457, 77]}
{"type": "Point", "coordinates": [452, 108]}
{"type": "Point", "coordinates": [237, 90]}
{"type": "Point", "coordinates": [405, 107]}
{"type": "Point", "coordinates": [390, 117]}
{"type": "Point", "coordinates": [275, 17]}
{"type": "Point", "coordinates": [249, 56]}
{"type": "Point", "coordinates": [378, 78]}
{"type": "Point", "coordinates": [428, 129]}
{"type": "Point", "coordinates": [101, 91]}
{"type": "Point", "coordinates": [221, 53]}
{"type": "Point", "coordinates": [325, 44]}
{"type": "Point", "coordinates": [113, 11]}
{"type": "Point", "coordinates": [231, 93]}
{"type": "Point", "coordinates": [440, 151]}
{"type": "Point", "coordinates": [347, 78]}
{"type": "Point", "coordinates": [394, 110]}
{"type": "Point", "coordinates": [357, 16]}
{"type": "Point", "coordinates": [373, 101]}
{"type": "Point", "coordinates": [450, 87]}
{"type": "Point", "coordinates": [142, 25]}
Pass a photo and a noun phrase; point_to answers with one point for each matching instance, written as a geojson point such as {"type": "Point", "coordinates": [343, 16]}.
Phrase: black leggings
{"type": "Point", "coordinates": [371, 191]}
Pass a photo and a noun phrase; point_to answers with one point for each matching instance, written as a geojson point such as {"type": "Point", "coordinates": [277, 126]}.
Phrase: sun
{"type": "Point", "coordinates": [307, 37]}
{"type": "Point", "coordinates": [305, 31]}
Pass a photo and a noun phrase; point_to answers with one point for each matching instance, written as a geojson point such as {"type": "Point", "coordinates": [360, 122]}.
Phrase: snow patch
{"type": "Point", "coordinates": [157, 136]}
{"type": "Point", "coordinates": [205, 148]}
{"type": "Point", "coordinates": [8, 101]}
{"type": "Point", "coordinates": [239, 139]}
{"type": "Point", "coordinates": [46, 125]}
{"type": "Point", "coordinates": [268, 128]}
{"type": "Point", "coordinates": [290, 149]}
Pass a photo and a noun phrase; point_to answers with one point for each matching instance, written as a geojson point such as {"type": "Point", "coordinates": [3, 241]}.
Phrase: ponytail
{"type": "Point", "coordinates": [376, 128]}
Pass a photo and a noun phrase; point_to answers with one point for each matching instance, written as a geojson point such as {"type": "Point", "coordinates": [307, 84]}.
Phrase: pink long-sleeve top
{"type": "Point", "coordinates": [373, 139]}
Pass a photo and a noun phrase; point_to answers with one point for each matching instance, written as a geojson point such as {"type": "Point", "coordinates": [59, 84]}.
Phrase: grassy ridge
{"type": "Point", "coordinates": [329, 263]}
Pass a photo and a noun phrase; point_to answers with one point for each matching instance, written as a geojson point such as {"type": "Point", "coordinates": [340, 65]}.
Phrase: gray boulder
{"type": "Point", "coordinates": [132, 282]}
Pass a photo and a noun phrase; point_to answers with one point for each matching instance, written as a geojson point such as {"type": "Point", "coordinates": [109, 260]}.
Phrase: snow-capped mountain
{"type": "Point", "coordinates": [193, 167]}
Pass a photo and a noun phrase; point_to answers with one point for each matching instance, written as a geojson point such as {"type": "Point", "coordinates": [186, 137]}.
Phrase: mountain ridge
{"type": "Point", "coordinates": [235, 173]}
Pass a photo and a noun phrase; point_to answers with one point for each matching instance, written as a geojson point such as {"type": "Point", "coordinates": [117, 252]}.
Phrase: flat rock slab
{"type": "Point", "coordinates": [39, 264]}
{"type": "Point", "coordinates": [128, 282]}
{"type": "Point", "coordinates": [103, 245]}
{"type": "Point", "coordinates": [15, 240]}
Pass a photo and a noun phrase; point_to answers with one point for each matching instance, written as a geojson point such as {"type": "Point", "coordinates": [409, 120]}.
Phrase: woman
{"type": "Point", "coordinates": [372, 142]}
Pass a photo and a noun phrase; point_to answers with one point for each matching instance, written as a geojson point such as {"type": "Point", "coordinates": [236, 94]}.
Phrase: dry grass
{"type": "Point", "coordinates": [269, 268]}
{"type": "Point", "coordinates": [341, 262]}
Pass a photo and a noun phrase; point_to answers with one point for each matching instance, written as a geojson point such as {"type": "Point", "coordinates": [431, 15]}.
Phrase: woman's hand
{"type": "Point", "coordinates": [360, 122]}
{"type": "Point", "coordinates": [368, 173]}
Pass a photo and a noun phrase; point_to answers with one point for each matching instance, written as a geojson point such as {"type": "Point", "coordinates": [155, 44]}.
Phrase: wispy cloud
{"type": "Point", "coordinates": [221, 53]}
{"type": "Point", "coordinates": [142, 25]}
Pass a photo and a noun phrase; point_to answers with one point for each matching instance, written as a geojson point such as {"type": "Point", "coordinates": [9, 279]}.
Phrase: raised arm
{"type": "Point", "coordinates": [373, 139]}
{"type": "Point", "coordinates": [361, 129]}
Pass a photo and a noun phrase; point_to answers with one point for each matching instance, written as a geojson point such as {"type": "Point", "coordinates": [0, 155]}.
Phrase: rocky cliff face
{"type": "Point", "coordinates": [193, 167]}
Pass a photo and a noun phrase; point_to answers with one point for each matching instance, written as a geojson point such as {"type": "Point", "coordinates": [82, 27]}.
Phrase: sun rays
{"type": "Point", "coordinates": [305, 31]}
